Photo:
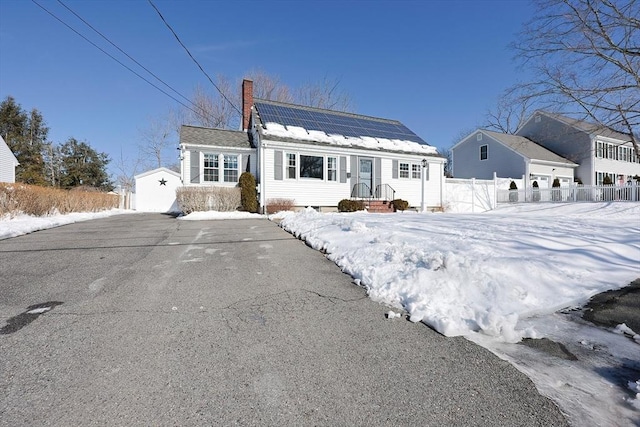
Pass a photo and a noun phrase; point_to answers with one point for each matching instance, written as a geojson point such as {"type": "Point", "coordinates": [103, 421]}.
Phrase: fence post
{"type": "Point", "coordinates": [473, 195]}
{"type": "Point", "coordinates": [495, 191]}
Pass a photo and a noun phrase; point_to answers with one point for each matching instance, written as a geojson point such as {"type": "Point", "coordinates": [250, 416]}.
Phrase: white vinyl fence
{"type": "Point", "coordinates": [574, 193]}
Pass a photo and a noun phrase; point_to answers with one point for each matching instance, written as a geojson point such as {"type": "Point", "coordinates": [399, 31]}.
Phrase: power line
{"type": "Point", "coordinates": [194, 59]}
{"type": "Point", "coordinates": [117, 60]}
{"type": "Point", "coordinates": [124, 53]}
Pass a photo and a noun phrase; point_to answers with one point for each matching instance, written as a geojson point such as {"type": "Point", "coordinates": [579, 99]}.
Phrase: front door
{"type": "Point", "coordinates": [366, 174]}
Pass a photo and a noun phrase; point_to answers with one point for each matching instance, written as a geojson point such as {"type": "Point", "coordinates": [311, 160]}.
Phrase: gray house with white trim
{"type": "Point", "coordinates": [484, 152]}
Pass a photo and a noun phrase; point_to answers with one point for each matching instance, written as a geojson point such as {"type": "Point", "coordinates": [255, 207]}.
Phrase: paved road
{"type": "Point", "coordinates": [156, 321]}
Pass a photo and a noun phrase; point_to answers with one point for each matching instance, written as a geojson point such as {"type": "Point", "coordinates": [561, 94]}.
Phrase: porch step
{"type": "Point", "coordinates": [380, 206]}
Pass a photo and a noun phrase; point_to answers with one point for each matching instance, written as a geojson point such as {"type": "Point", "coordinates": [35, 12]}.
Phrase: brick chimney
{"type": "Point", "coordinates": [247, 102]}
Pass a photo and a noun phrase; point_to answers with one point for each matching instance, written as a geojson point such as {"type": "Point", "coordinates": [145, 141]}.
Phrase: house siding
{"type": "Point", "coordinates": [562, 139]}
{"type": "Point", "coordinates": [324, 193]}
{"type": "Point", "coordinates": [304, 191]}
{"type": "Point", "coordinates": [500, 159]}
{"type": "Point", "coordinates": [8, 163]}
{"type": "Point", "coordinates": [192, 164]}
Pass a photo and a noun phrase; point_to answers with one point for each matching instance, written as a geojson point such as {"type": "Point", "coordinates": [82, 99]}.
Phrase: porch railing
{"type": "Point", "coordinates": [384, 192]}
{"type": "Point", "coordinates": [361, 191]}
{"type": "Point", "coordinates": [580, 193]}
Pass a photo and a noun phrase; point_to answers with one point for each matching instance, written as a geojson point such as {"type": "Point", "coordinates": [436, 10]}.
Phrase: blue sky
{"type": "Point", "coordinates": [436, 66]}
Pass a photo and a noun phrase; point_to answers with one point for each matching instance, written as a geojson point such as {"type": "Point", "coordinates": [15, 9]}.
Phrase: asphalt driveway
{"type": "Point", "coordinates": [158, 321]}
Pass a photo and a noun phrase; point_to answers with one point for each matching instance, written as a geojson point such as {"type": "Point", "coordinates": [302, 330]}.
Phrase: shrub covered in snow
{"type": "Point", "coordinates": [348, 205]}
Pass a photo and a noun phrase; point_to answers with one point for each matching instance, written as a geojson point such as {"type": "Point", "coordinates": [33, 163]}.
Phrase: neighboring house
{"type": "Point", "coordinates": [599, 151]}
{"type": "Point", "coordinates": [156, 191]}
{"type": "Point", "coordinates": [8, 163]}
{"type": "Point", "coordinates": [313, 156]}
{"type": "Point", "coordinates": [484, 152]}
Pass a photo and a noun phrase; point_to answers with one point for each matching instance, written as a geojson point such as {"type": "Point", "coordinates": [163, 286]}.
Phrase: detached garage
{"type": "Point", "coordinates": [156, 190]}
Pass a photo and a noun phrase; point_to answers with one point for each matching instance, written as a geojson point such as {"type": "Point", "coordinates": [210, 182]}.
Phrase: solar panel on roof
{"type": "Point", "coordinates": [334, 122]}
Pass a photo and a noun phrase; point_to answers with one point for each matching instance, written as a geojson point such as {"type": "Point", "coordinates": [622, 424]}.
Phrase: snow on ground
{"type": "Point", "coordinates": [499, 276]}
{"type": "Point", "coordinates": [25, 224]}
{"type": "Point", "coordinates": [468, 273]}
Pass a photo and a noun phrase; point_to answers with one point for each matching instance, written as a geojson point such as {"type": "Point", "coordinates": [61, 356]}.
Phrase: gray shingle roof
{"type": "Point", "coordinates": [195, 135]}
{"type": "Point", "coordinates": [527, 148]}
{"type": "Point", "coordinates": [590, 128]}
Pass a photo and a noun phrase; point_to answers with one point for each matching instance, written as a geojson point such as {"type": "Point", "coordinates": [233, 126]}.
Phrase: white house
{"type": "Point", "coordinates": [314, 157]}
{"type": "Point", "coordinates": [598, 150]}
{"type": "Point", "coordinates": [8, 163]}
{"type": "Point", "coordinates": [156, 190]}
{"type": "Point", "coordinates": [484, 152]}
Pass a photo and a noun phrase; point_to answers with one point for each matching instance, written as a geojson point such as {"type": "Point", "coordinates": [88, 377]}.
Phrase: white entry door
{"type": "Point", "coordinates": [366, 172]}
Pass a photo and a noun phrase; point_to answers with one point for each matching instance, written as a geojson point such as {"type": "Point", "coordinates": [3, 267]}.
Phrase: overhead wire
{"type": "Point", "coordinates": [193, 58]}
{"type": "Point", "coordinates": [120, 62]}
{"type": "Point", "coordinates": [123, 52]}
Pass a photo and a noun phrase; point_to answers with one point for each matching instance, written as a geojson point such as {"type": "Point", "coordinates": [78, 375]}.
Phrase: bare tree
{"type": "Point", "coordinates": [586, 56]}
{"type": "Point", "coordinates": [127, 170]}
{"type": "Point", "coordinates": [156, 138]}
{"type": "Point", "coordinates": [214, 110]}
{"type": "Point", "coordinates": [509, 114]}
{"type": "Point", "coordinates": [325, 94]}
{"type": "Point", "coordinates": [269, 87]}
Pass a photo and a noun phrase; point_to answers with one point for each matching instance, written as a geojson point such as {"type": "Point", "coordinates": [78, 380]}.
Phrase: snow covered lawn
{"type": "Point", "coordinates": [480, 273]}
{"type": "Point", "coordinates": [499, 276]}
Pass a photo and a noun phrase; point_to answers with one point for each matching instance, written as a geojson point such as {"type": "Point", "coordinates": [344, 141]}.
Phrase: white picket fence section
{"type": "Point", "coordinates": [574, 193]}
{"type": "Point", "coordinates": [477, 195]}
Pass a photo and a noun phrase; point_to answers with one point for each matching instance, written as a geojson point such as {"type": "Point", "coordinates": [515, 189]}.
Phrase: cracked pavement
{"type": "Point", "coordinates": [159, 321]}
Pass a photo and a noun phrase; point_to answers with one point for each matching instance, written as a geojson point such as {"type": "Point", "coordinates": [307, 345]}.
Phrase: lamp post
{"type": "Point", "coordinates": [424, 165]}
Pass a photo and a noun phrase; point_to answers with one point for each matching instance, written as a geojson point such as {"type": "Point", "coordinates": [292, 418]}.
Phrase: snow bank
{"type": "Point", "coordinates": [24, 224]}
{"type": "Point", "coordinates": [199, 216]}
{"type": "Point", "coordinates": [467, 273]}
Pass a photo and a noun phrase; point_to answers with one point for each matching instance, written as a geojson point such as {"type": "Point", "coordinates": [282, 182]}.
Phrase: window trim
{"type": "Point", "coordinates": [334, 169]}
{"type": "Point", "coordinates": [215, 169]}
{"type": "Point", "coordinates": [291, 167]}
{"type": "Point", "coordinates": [402, 172]}
{"type": "Point", "coordinates": [486, 152]}
{"type": "Point", "coordinates": [321, 169]}
{"type": "Point", "coordinates": [230, 169]}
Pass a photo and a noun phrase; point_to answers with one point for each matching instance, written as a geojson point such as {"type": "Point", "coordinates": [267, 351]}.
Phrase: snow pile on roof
{"type": "Point", "coordinates": [295, 132]}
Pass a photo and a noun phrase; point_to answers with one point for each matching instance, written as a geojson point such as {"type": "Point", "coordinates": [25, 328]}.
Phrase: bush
{"type": "Point", "coordinates": [536, 191]}
{"type": "Point", "coordinates": [201, 199]}
{"type": "Point", "coordinates": [279, 205]}
{"type": "Point", "coordinates": [513, 192]}
{"type": "Point", "coordinates": [556, 196]}
{"type": "Point", "coordinates": [34, 200]}
{"type": "Point", "coordinates": [248, 193]}
{"type": "Point", "coordinates": [348, 205]}
{"type": "Point", "coordinates": [400, 205]}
